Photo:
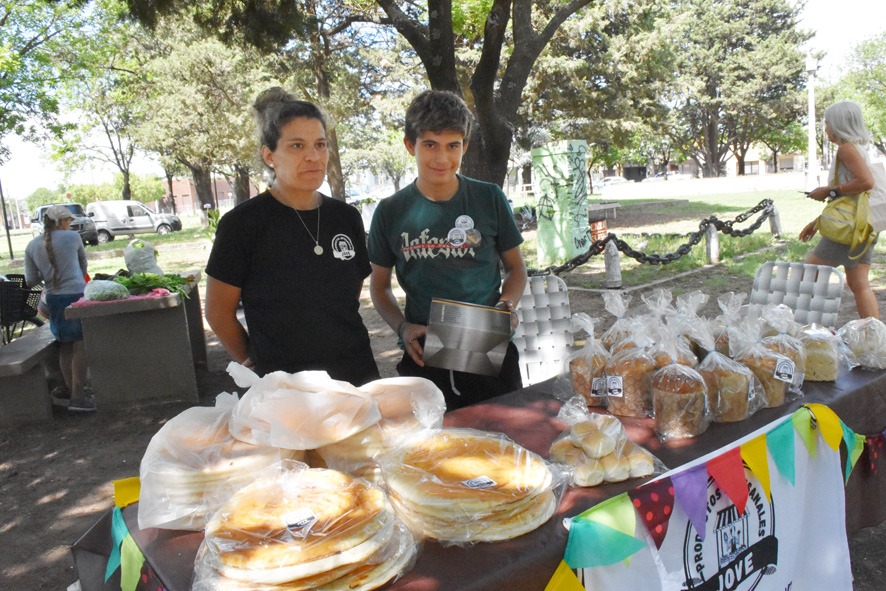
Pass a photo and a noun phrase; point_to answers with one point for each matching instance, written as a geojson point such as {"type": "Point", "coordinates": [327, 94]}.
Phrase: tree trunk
{"type": "Point", "coordinates": [127, 188]}
{"type": "Point", "coordinates": [202, 176]}
{"type": "Point", "coordinates": [334, 175]}
{"type": "Point", "coordinates": [169, 187]}
{"type": "Point", "coordinates": [775, 161]}
{"type": "Point", "coordinates": [241, 184]}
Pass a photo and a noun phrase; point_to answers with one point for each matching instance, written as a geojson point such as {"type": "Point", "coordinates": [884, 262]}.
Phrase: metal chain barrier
{"type": "Point", "coordinates": [764, 208]}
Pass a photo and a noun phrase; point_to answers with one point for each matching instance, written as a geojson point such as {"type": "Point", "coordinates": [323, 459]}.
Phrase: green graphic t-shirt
{"type": "Point", "coordinates": [448, 250]}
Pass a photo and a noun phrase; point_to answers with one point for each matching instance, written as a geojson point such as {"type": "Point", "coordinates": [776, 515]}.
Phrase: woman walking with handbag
{"type": "Point", "coordinates": [847, 238]}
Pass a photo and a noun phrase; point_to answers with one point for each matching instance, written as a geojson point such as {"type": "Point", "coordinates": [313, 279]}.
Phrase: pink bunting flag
{"type": "Point", "coordinates": [654, 503]}
{"type": "Point", "coordinates": [727, 470]}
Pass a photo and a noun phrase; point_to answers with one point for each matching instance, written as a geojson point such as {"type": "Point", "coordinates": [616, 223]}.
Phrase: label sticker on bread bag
{"type": "Point", "coordinates": [599, 387]}
{"type": "Point", "coordinates": [784, 371]}
{"type": "Point", "coordinates": [614, 386]}
{"type": "Point", "coordinates": [299, 522]}
{"type": "Point", "coordinates": [479, 482]}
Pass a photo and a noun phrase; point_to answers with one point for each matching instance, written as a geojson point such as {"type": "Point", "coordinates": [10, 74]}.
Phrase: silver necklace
{"type": "Point", "coordinates": [318, 250]}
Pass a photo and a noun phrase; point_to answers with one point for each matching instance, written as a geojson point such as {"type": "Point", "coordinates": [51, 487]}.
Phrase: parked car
{"type": "Point", "coordinates": [80, 224]}
{"type": "Point", "coordinates": [608, 181]}
{"type": "Point", "coordinates": [113, 218]}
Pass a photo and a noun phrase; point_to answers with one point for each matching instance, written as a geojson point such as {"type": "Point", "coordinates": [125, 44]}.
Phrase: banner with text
{"type": "Point", "coordinates": [765, 514]}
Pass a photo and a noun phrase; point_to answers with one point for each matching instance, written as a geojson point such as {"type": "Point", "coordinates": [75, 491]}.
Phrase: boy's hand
{"type": "Point", "coordinates": [411, 334]}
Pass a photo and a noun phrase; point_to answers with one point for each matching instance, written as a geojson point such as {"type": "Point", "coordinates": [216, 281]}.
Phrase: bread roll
{"type": "Point", "coordinates": [588, 472]}
{"type": "Point", "coordinates": [639, 459]}
{"type": "Point", "coordinates": [594, 442]}
{"type": "Point", "coordinates": [564, 451]}
{"type": "Point", "coordinates": [632, 371]}
{"type": "Point", "coordinates": [616, 468]}
{"type": "Point", "coordinates": [583, 370]}
{"type": "Point", "coordinates": [680, 402]}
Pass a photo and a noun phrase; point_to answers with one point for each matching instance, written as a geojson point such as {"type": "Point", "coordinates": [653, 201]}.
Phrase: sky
{"type": "Point", "coordinates": [838, 26]}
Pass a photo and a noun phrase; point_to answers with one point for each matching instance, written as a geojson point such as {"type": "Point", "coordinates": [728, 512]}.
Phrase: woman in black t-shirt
{"type": "Point", "coordinates": [296, 259]}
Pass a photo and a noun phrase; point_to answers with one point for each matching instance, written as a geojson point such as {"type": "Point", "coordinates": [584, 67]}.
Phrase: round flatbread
{"type": "Point", "coordinates": [298, 524]}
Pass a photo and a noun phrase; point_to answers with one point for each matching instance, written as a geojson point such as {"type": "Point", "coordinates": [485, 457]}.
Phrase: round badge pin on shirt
{"type": "Point", "coordinates": [473, 237]}
{"type": "Point", "coordinates": [456, 237]}
{"type": "Point", "coordinates": [464, 222]}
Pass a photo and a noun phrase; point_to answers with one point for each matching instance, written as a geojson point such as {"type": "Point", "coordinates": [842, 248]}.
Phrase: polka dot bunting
{"type": "Point", "coordinates": [654, 503]}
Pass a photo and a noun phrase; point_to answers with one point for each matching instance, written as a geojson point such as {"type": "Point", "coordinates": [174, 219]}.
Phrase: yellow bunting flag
{"type": "Point", "coordinates": [829, 424]}
{"type": "Point", "coordinates": [564, 579]}
{"type": "Point", "coordinates": [126, 491]}
{"type": "Point", "coordinates": [754, 455]}
{"type": "Point", "coordinates": [802, 420]}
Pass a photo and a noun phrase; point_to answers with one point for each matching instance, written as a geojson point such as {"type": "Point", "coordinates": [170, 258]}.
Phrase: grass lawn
{"type": "Point", "coordinates": [653, 225]}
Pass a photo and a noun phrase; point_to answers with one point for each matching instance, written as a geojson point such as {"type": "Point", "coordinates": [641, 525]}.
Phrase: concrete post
{"type": "Point", "coordinates": [712, 243]}
{"type": "Point", "coordinates": [612, 259]}
{"type": "Point", "coordinates": [775, 223]}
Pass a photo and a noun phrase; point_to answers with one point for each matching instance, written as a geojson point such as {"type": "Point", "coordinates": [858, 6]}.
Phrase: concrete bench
{"type": "Point", "coordinates": [602, 211]}
{"type": "Point", "coordinates": [24, 390]}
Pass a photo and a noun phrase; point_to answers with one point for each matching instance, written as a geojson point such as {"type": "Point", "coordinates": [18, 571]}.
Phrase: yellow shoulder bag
{"type": "Point", "coordinates": [846, 220]}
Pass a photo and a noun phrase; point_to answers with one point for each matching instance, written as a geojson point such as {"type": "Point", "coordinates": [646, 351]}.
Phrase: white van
{"type": "Point", "coordinates": [128, 218]}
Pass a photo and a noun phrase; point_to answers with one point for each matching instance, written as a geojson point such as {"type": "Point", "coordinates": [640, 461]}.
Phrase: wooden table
{"type": "Point", "coordinates": [146, 348]}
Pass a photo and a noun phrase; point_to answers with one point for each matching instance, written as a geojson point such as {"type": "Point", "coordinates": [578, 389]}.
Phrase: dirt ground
{"type": "Point", "coordinates": [55, 478]}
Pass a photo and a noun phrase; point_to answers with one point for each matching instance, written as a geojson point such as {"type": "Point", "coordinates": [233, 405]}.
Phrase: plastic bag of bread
{"type": "Point", "coordinates": [734, 392]}
{"type": "Point", "coordinates": [686, 315]}
{"type": "Point", "coordinates": [584, 368]}
{"type": "Point", "coordinates": [827, 356]}
{"type": "Point", "coordinates": [866, 338]}
{"type": "Point", "coordinates": [304, 410]}
{"type": "Point", "coordinates": [778, 320]}
{"type": "Point", "coordinates": [774, 370]}
{"type": "Point", "coordinates": [679, 399]}
{"type": "Point", "coordinates": [193, 464]}
{"type": "Point", "coordinates": [629, 383]}
{"type": "Point", "coordinates": [406, 404]}
{"type": "Point", "coordinates": [300, 528]}
{"type": "Point", "coordinates": [462, 486]}
{"type": "Point", "coordinates": [616, 303]}
{"type": "Point", "coordinates": [672, 346]}
{"type": "Point", "coordinates": [727, 323]}
{"type": "Point", "coordinates": [595, 449]}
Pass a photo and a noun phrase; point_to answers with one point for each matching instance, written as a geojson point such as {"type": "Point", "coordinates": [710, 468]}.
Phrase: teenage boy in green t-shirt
{"type": "Point", "coordinates": [447, 236]}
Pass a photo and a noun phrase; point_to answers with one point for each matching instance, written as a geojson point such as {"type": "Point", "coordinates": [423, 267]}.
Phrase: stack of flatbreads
{"type": "Point", "coordinates": [192, 464]}
{"type": "Point", "coordinates": [463, 485]}
{"type": "Point", "coordinates": [304, 529]}
{"type": "Point", "coordinates": [407, 405]}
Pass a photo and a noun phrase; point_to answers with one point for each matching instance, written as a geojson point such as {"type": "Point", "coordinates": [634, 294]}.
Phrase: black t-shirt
{"type": "Point", "coordinates": [302, 309]}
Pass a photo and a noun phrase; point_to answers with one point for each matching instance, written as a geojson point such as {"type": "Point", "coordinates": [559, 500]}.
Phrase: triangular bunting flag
{"type": "Point", "coordinates": [617, 513]}
{"type": "Point", "coordinates": [654, 503]}
{"type": "Point", "coordinates": [131, 561]}
{"type": "Point", "coordinates": [754, 455]}
{"type": "Point", "coordinates": [593, 544]}
{"type": "Point", "coordinates": [829, 424]}
{"type": "Point", "coordinates": [564, 580]}
{"type": "Point", "coordinates": [119, 531]}
{"type": "Point", "coordinates": [691, 491]}
{"type": "Point", "coordinates": [728, 472]}
{"type": "Point", "coordinates": [803, 421]}
{"type": "Point", "coordinates": [780, 442]}
{"type": "Point", "coordinates": [851, 441]}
